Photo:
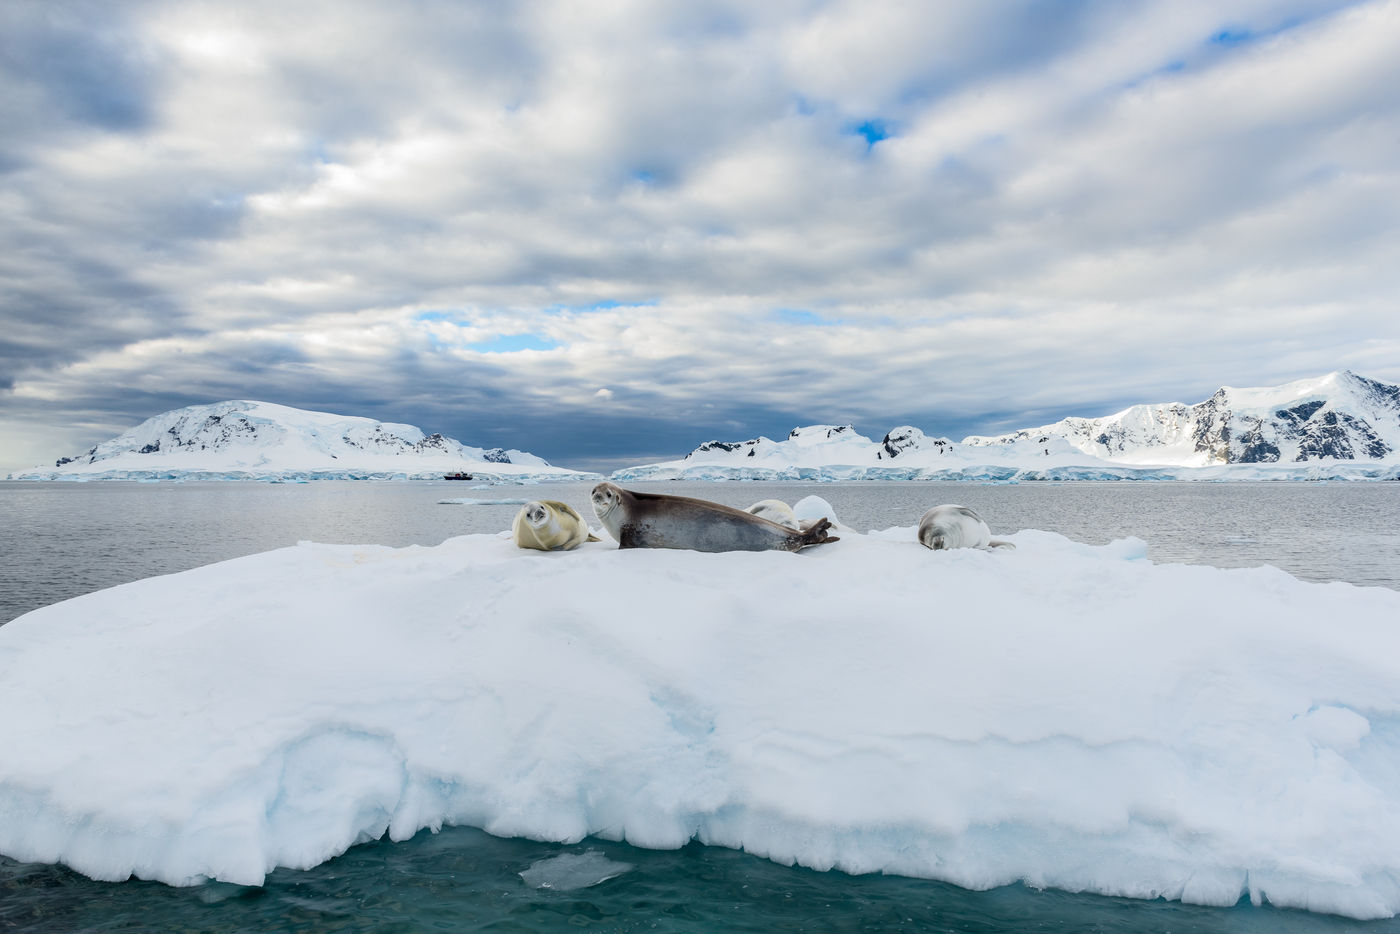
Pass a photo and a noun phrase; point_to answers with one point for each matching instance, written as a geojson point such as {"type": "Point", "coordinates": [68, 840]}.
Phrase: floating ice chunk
{"type": "Point", "coordinates": [1067, 715]}
{"type": "Point", "coordinates": [569, 871]}
{"type": "Point", "coordinates": [468, 501]}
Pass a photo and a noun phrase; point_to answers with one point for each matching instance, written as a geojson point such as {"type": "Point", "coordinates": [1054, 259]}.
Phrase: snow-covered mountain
{"type": "Point", "coordinates": [261, 440]}
{"type": "Point", "coordinates": [1337, 426]}
{"type": "Point", "coordinates": [1340, 416]}
{"type": "Point", "coordinates": [839, 452]}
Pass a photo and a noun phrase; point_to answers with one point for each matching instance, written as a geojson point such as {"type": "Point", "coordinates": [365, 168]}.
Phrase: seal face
{"type": "Point", "coordinates": [656, 520]}
{"type": "Point", "coordinates": [953, 526]}
{"type": "Point", "coordinates": [549, 525]}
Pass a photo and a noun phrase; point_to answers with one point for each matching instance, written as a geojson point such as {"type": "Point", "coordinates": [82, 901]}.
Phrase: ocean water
{"type": "Point", "coordinates": [63, 539]}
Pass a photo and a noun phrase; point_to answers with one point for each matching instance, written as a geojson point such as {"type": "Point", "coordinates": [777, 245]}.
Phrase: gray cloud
{"type": "Point", "coordinates": [81, 62]}
{"type": "Point", "coordinates": [1074, 207]}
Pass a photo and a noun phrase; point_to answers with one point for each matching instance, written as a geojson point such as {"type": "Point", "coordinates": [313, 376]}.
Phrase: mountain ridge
{"type": "Point", "coordinates": [248, 439]}
{"type": "Point", "coordinates": [1340, 415]}
{"type": "Point", "coordinates": [1339, 424]}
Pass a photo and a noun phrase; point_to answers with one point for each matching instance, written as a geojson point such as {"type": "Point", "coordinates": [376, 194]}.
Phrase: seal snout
{"type": "Point", "coordinates": [603, 497]}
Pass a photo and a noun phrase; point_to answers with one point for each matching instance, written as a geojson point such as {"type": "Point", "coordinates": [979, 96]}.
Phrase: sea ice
{"type": "Point", "coordinates": [1068, 715]}
{"type": "Point", "coordinates": [569, 871]}
{"type": "Point", "coordinates": [469, 501]}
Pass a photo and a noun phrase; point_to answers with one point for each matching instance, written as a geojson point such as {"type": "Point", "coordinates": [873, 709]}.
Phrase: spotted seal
{"type": "Point", "coordinates": [549, 525]}
{"type": "Point", "coordinates": [656, 520]}
{"type": "Point", "coordinates": [952, 526]}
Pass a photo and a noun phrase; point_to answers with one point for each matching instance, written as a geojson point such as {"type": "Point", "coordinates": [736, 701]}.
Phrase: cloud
{"type": "Point", "coordinates": [734, 218]}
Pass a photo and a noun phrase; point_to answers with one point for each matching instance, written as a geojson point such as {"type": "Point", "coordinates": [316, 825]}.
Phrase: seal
{"type": "Point", "coordinates": [549, 525]}
{"type": "Point", "coordinates": [952, 526]}
{"type": "Point", "coordinates": [656, 520]}
{"type": "Point", "coordinates": [774, 510]}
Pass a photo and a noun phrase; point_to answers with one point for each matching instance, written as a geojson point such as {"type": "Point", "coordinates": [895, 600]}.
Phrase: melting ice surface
{"type": "Point", "coordinates": [1067, 715]}
{"type": "Point", "coordinates": [569, 871]}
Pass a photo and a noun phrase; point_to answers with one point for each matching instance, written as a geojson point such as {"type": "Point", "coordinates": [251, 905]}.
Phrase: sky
{"type": "Point", "coordinates": [605, 232]}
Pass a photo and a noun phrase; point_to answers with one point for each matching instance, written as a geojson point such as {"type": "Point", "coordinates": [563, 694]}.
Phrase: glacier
{"type": "Point", "coordinates": [249, 440]}
{"type": "Point", "coordinates": [1339, 416]}
{"type": "Point", "coordinates": [1066, 715]}
{"type": "Point", "coordinates": [839, 452]}
{"type": "Point", "coordinates": [1336, 427]}
{"type": "Point", "coordinates": [1340, 426]}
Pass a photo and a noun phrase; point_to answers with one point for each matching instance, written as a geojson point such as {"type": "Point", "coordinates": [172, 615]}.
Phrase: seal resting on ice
{"type": "Point", "coordinates": [656, 520]}
{"type": "Point", "coordinates": [774, 510]}
{"type": "Point", "coordinates": [953, 526]}
{"type": "Point", "coordinates": [549, 525]}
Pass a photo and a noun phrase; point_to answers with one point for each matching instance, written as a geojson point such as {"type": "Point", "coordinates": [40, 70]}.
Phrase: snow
{"type": "Point", "coordinates": [853, 456]}
{"type": "Point", "coordinates": [1335, 427]}
{"type": "Point", "coordinates": [1338, 416]}
{"type": "Point", "coordinates": [245, 440]}
{"type": "Point", "coordinates": [1068, 715]}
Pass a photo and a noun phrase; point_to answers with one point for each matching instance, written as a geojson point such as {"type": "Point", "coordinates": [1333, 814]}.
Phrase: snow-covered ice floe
{"type": "Point", "coordinates": [1068, 715]}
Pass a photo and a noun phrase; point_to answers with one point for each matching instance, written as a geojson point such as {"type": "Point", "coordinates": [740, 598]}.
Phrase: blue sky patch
{"type": "Point", "coordinates": [1232, 37]}
{"type": "Point", "coordinates": [872, 131]}
{"type": "Point", "coordinates": [1235, 35]}
{"type": "Point", "coordinates": [804, 317]}
{"type": "Point", "coordinates": [510, 343]}
{"type": "Point", "coordinates": [606, 304]}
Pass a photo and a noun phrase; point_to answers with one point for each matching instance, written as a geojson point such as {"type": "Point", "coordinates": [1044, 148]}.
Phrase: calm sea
{"type": "Point", "coordinates": [60, 540]}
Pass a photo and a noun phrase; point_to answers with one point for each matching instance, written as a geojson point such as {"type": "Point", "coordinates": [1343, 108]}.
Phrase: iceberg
{"type": "Point", "coordinates": [1066, 715]}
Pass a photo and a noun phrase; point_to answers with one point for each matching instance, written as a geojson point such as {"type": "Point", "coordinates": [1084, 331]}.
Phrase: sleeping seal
{"type": "Point", "coordinates": [655, 520]}
{"type": "Point", "coordinates": [774, 510]}
{"type": "Point", "coordinates": [953, 526]}
{"type": "Point", "coordinates": [550, 525]}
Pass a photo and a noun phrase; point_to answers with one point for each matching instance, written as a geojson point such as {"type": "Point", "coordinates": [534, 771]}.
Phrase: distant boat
{"type": "Point", "coordinates": [457, 476]}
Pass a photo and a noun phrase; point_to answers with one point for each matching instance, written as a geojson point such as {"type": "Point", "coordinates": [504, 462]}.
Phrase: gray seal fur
{"type": "Point", "coordinates": [953, 526]}
{"type": "Point", "coordinates": [656, 520]}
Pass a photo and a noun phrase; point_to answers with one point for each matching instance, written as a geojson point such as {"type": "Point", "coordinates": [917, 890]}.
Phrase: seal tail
{"type": "Point", "coordinates": [999, 543]}
{"type": "Point", "coordinates": [817, 534]}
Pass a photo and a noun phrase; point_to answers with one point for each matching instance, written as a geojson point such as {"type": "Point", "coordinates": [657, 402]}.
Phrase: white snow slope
{"type": "Point", "coordinates": [1071, 716]}
{"type": "Point", "coordinates": [241, 440]}
{"type": "Point", "coordinates": [1340, 426]}
{"type": "Point", "coordinates": [1340, 416]}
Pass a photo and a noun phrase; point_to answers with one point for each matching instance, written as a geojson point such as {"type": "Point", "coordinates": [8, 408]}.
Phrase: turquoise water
{"type": "Point", "coordinates": [61, 540]}
{"type": "Point", "coordinates": [465, 880]}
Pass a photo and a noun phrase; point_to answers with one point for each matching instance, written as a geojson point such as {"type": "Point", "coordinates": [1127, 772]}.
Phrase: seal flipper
{"type": "Point", "coordinates": [1000, 543]}
{"type": "Point", "coordinates": [816, 534]}
{"type": "Point", "coordinates": [593, 538]}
